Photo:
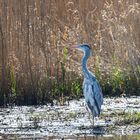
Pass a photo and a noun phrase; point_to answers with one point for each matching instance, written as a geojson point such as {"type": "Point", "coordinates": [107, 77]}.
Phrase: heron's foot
{"type": "Point", "coordinates": [94, 122]}
{"type": "Point", "coordinates": [97, 121]}
{"type": "Point", "coordinates": [91, 119]}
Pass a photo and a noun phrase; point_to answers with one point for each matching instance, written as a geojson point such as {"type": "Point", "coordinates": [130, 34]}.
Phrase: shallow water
{"type": "Point", "coordinates": [110, 138]}
{"type": "Point", "coordinates": [125, 137]}
{"type": "Point", "coordinates": [92, 137]}
{"type": "Point", "coordinates": [71, 121]}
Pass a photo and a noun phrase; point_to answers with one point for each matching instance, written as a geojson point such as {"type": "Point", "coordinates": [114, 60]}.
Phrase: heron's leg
{"type": "Point", "coordinates": [93, 119]}
{"type": "Point", "coordinates": [88, 112]}
{"type": "Point", "coordinates": [89, 115]}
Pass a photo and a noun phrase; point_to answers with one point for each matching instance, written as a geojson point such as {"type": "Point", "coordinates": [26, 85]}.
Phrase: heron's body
{"type": "Point", "coordinates": [91, 88]}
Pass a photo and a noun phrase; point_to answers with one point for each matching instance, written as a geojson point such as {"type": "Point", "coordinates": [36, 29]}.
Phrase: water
{"type": "Point", "coordinates": [105, 137]}
{"type": "Point", "coordinates": [108, 138]}
{"type": "Point", "coordinates": [72, 121]}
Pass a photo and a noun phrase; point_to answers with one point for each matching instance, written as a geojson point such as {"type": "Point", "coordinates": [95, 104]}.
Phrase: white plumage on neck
{"type": "Point", "coordinates": [86, 72]}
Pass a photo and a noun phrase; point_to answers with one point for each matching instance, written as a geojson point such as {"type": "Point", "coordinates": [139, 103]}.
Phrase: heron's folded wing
{"type": "Point", "coordinates": [97, 93]}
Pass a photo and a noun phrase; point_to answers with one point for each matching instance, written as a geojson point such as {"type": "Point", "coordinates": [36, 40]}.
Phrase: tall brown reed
{"type": "Point", "coordinates": [34, 33]}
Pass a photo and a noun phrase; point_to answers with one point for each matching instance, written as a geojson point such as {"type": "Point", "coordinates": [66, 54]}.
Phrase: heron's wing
{"type": "Point", "coordinates": [93, 95]}
{"type": "Point", "coordinates": [97, 93]}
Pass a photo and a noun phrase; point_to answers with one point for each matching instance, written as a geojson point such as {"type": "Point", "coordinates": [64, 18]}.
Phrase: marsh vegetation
{"type": "Point", "coordinates": [36, 67]}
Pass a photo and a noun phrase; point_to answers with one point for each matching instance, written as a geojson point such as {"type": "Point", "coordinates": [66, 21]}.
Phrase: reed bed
{"type": "Point", "coordinates": [35, 65]}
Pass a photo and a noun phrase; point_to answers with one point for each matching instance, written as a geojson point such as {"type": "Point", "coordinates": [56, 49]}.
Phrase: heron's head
{"type": "Point", "coordinates": [83, 47]}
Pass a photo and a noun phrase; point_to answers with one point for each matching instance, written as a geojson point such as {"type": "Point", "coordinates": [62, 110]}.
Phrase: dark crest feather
{"type": "Point", "coordinates": [86, 45]}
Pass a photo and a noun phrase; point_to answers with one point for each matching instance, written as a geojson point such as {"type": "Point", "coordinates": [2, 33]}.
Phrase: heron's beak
{"type": "Point", "coordinates": [75, 46]}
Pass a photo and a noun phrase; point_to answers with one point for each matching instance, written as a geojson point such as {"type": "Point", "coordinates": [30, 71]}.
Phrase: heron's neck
{"type": "Point", "coordinates": [84, 65]}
